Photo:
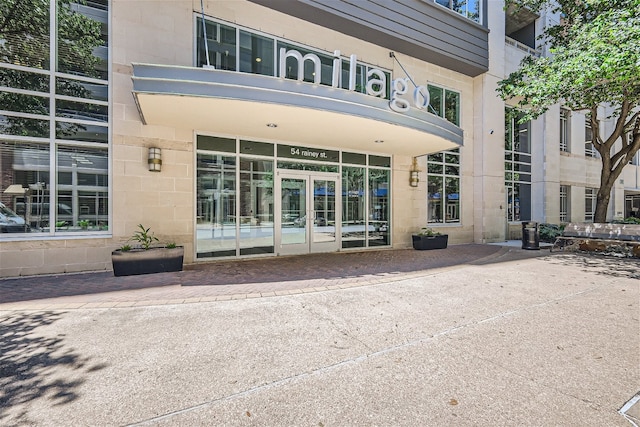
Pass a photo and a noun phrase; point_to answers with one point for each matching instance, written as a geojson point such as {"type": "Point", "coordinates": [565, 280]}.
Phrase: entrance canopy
{"type": "Point", "coordinates": [263, 107]}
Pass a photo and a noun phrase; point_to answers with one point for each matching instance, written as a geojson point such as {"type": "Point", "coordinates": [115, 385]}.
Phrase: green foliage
{"type": "Point", "coordinates": [171, 245]}
{"type": "Point", "coordinates": [549, 232]}
{"type": "Point", "coordinates": [428, 232]}
{"type": "Point", "coordinates": [125, 248]}
{"type": "Point", "coordinates": [628, 220]}
{"type": "Point", "coordinates": [144, 237]}
{"type": "Point", "coordinates": [595, 57]}
{"type": "Point", "coordinates": [83, 223]}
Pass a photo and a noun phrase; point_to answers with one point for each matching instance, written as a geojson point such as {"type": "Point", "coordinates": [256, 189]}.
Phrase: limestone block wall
{"type": "Point", "coordinates": [30, 257]}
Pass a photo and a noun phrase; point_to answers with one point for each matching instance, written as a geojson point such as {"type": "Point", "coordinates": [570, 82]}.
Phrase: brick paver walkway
{"type": "Point", "coordinates": [237, 279]}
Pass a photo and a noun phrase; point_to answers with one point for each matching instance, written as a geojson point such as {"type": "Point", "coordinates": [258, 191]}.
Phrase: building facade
{"type": "Point", "coordinates": [258, 128]}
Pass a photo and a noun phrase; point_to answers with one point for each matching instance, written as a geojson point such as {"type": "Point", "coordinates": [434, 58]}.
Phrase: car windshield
{"type": "Point", "coordinates": [7, 212]}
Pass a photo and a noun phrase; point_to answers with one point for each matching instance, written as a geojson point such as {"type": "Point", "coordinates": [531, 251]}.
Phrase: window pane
{"type": "Point", "coordinates": [256, 206]}
{"type": "Point", "coordinates": [78, 132]}
{"type": "Point", "coordinates": [452, 107]}
{"type": "Point", "coordinates": [24, 187]}
{"type": "Point", "coordinates": [24, 80]}
{"type": "Point", "coordinates": [436, 100]}
{"type": "Point", "coordinates": [434, 198]}
{"type": "Point", "coordinates": [256, 54]}
{"type": "Point", "coordinates": [354, 158]}
{"type": "Point", "coordinates": [353, 207]}
{"type": "Point", "coordinates": [82, 39]}
{"type": "Point", "coordinates": [82, 111]}
{"type": "Point", "coordinates": [213, 143]}
{"type": "Point", "coordinates": [379, 207]}
{"type": "Point", "coordinates": [452, 193]}
{"type": "Point", "coordinates": [80, 89]}
{"type": "Point", "coordinates": [24, 127]}
{"type": "Point", "coordinates": [221, 43]}
{"type": "Point", "coordinates": [293, 65]}
{"type": "Point", "coordinates": [83, 204]}
{"type": "Point", "coordinates": [256, 148]}
{"type": "Point", "coordinates": [24, 103]}
{"type": "Point", "coordinates": [216, 205]}
{"type": "Point", "coordinates": [25, 34]}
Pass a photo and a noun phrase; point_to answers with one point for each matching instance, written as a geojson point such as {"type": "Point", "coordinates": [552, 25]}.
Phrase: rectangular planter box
{"type": "Point", "coordinates": [422, 243]}
{"type": "Point", "coordinates": [154, 260]}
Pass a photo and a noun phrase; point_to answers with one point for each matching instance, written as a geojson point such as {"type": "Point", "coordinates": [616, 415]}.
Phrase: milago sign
{"type": "Point", "coordinates": [376, 79]}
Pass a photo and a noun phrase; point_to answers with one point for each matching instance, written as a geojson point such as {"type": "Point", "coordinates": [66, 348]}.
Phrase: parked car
{"type": "Point", "coordinates": [11, 222]}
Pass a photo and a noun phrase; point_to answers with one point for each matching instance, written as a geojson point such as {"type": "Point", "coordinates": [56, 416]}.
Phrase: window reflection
{"type": "Point", "coordinates": [353, 207]}
{"type": "Point", "coordinates": [256, 206]}
{"type": "Point", "coordinates": [379, 208]}
{"type": "Point", "coordinates": [216, 201]}
{"type": "Point", "coordinates": [83, 196]}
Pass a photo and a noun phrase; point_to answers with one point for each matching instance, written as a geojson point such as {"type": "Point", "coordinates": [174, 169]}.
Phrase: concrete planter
{"type": "Point", "coordinates": [422, 243]}
{"type": "Point", "coordinates": [140, 261]}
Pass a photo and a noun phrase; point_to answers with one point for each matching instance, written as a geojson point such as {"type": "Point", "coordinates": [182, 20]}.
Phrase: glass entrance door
{"type": "Point", "coordinates": [308, 220]}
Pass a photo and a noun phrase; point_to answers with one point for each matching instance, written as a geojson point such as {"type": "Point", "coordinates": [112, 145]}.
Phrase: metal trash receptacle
{"type": "Point", "coordinates": [530, 235]}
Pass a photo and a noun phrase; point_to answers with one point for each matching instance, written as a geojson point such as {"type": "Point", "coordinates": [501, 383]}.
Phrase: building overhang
{"type": "Point", "coordinates": [249, 105]}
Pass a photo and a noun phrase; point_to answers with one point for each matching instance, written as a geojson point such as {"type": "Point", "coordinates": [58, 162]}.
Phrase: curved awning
{"type": "Point", "coordinates": [248, 105]}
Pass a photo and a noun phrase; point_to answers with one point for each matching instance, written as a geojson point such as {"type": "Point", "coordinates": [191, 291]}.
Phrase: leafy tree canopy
{"type": "Point", "coordinates": [595, 58]}
{"type": "Point", "coordinates": [594, 61]}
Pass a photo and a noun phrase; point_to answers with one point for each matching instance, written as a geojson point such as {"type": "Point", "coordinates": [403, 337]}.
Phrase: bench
{"type": "Point", "coordinates": [613, 239]}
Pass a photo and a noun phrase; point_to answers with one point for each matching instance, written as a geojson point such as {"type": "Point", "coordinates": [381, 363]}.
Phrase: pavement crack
{"type": "Point", "coordinates": [358, 359]}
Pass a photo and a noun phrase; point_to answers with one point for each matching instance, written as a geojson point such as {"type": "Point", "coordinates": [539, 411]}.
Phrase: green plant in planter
{"type": "Point", "coordinates": [143, 258]}
{"type": "Point", "coordinates": [428, 238]}
{"type": "Point", "coordinates": [428, 232]}
{"type": "Point", "coordinates": [84, 224]}
{"type": "Point", "coordinates": [144, 237]}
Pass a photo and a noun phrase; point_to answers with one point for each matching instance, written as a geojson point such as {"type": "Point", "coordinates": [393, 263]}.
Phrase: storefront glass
{"type": "Point", "coordinates": [296, 206]}
{"type": "Point", "coordinates": [256, 206]}
{"type": "Point", "coordinates": [216, 205]}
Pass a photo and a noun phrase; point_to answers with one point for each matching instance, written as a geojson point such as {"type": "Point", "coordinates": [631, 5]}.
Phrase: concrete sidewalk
{"type": "Point", "coordinates": [508, 337]}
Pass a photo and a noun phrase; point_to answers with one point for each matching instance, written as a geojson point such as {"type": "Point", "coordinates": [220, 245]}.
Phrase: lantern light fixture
{"type": "Point", "coordinates": [414, 173]}
{"type": "Point", "coordinates": [155, 159]}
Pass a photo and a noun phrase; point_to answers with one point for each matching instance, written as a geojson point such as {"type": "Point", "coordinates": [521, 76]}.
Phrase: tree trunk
{"type": "Point", "coordinates": [602, 199]}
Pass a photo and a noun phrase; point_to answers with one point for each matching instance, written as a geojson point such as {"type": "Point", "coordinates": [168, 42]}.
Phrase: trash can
{"type": "Point", "coordinates": [530, 235]}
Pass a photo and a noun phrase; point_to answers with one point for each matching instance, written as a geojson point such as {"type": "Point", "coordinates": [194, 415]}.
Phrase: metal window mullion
{"type": "Point", "coordinates": [237, 191]}
{"type": "Point", "coordinates": [237, 49]}
{"type": "Point", "coordinates": [53, 49]}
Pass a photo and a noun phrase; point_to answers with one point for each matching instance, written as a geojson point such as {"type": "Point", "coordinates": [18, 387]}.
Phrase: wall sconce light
{"type": "Point", "coordinates": [155, 159]}
{"type": "Point", "coordinates": [414, 177]}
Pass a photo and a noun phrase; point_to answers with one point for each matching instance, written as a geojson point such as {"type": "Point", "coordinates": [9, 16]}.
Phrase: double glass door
{"type": "Point", "coordinates": [309, 217]}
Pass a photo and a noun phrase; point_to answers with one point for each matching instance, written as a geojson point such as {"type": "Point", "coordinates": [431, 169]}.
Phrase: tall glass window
{"type": "Point", "coordinates": [379, 207]}
{"type": "Point", "coordinates": [354, 209]}
{"type": "Point", "coordinates": [216, 205]}
{"type": "Point", "coordinates": [54, 159]}
{"type": "Point", "coordinates": [564, 130]}
{"type": "Point", "coordinates": [256, 54]}
{"type": "Point", "coordinates": [443, 187]}
{"type": "Point", "coordinates": [444, 103]}
{"type": "Point", "coordinates": [590, 197]}
{"type": "Point", "coordinates": [589, 149]}
{"type": "Point", "coordinates": [517, 162]}
{"type": "Point", "coordinates": [564, 203]}
{"type": "Point", "coordinates": [220, 43]}
{"type": "Point", "coordinates": [256, 206]}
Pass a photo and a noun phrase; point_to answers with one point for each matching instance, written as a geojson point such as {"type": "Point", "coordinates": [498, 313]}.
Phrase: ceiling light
{"type": "Point", "coordinates": [272, 125]}
{"type": "Point", "coordinates": [379, 141]}
{"type": "Point", "coordinates": [258, 59]}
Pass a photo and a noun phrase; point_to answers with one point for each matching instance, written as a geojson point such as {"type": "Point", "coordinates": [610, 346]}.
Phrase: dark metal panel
{"type": "Point", "coordinates": [417, 28]}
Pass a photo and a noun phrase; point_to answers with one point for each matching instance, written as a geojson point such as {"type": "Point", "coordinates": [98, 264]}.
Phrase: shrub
{"type": "Point", "coordinates": [550, 232]}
